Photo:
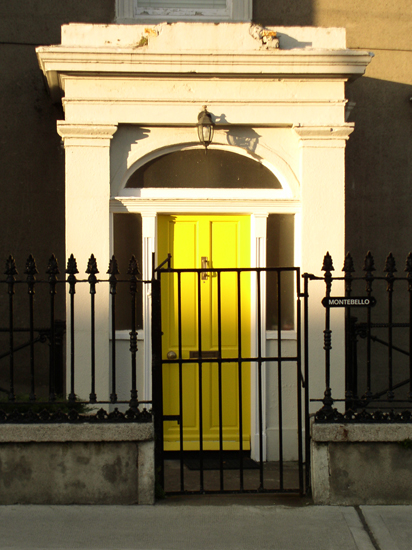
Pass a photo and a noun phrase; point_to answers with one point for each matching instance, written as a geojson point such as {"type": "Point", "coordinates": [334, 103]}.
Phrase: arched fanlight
{"type": "Point", "coordinates": [205, 127]}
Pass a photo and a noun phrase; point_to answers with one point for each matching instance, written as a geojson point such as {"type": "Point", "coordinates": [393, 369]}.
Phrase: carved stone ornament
{"type": "Point", "coordinates": [268, 37]}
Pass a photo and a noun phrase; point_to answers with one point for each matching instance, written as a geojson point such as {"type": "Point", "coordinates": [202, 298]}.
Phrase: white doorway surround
{"type": "Point", "coordinates": [132, 93]}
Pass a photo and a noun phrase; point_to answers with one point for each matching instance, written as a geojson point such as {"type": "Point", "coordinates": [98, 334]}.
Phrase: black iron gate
{"type": "Point", "coordinates": [275, 368]}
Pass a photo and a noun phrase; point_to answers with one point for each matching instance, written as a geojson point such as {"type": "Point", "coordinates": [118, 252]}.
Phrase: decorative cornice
{"type": "Point", "coordinates": [98, 135]}
{"type": "Point", "coordinates": [324, 132]}
{"type": "Point", "coordinates": [331, 64]}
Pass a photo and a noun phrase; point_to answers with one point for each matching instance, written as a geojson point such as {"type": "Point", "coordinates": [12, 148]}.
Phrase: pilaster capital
{"type": "Point", "coordinates": [332, 134]}
{"type": "Point", "coordinates": [85, 135]}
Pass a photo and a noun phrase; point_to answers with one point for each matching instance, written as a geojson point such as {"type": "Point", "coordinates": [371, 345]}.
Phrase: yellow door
{"type": "Point", "coordinates": [222, 242]}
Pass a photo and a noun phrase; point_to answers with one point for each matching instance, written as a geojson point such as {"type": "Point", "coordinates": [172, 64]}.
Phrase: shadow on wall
{"type": "Point", "coordinates": [378, 169]}
{"type": "Point", "coordinates": [292, 13]}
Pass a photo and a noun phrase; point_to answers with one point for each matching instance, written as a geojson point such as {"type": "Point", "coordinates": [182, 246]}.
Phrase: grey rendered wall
{"type": "Point", "coordinates": [32, 161]}
{"type": "Point", "coordinates": [355, 464]}
{"type": "Point", "coordinates": [31, 157]}
{"type": "Point", "coordinates": [77, 463]}
{"type": "Point", "coordinates": [379, 152]}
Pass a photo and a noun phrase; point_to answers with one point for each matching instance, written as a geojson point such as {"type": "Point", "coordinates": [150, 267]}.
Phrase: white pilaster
{"type": "Point", "coordinates": [258, 259]}
{"type": "Point", "coordinates": [148, 249]}
{"type": "Point", "coordinates": [87, 232]}
{"type": "Point", "coordinates": [322, 175]}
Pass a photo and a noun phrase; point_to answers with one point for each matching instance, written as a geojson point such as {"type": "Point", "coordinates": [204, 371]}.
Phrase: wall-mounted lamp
{"type": "Point", "coordinates": [205, 128]}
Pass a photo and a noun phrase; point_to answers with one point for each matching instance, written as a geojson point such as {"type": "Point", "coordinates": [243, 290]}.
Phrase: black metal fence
{"type": "Point", "coordinates": [378, 342]}
{"type": "Point", "coordinates": [33, 370]}
{"type": "Point", "coordinates": [227, 468]}
{"type": "Point", "coordinates": [377, 311]}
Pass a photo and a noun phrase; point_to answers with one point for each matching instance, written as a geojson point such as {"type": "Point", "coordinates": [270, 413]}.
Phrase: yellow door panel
{"type": "Point", "coordinates": [225, 242]}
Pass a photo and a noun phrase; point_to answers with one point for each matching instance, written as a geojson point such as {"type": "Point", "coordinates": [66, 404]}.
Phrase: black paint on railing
{"type": "Point", "coordinates": [63, 405]}
{"type": "Point", "coordinates": [367, 397]}
{"type": "Point", "coordinates": [238, 360]}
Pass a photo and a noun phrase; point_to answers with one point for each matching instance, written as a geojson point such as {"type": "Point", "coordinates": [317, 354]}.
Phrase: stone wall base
{"type": "Point", "coordinates": [77, 464]}
{"type": "Point", "coordinates": [355, 464]}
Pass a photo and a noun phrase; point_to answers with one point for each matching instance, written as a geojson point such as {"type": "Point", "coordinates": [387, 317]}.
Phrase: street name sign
{"type": "Point", "coordinates": [348, 301]}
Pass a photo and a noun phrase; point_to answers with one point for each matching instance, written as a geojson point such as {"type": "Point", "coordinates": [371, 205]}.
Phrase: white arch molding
{"type": "Point", "coordinates": [167, 142]}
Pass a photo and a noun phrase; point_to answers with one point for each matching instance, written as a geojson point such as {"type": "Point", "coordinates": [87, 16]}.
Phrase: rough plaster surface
{"type": "Point", "coordinates": [146, 473]}
{"type": "Point", "coordinates": [42, 433]}
{"type": "Point", "coordinates": [77, 464]}
{"type": "Point", "coordinates": [361, 432]}
{"type": "Point", "coordinates": [197, 36]}
{"type": "Point", "coordinates": [370, 473]}
{"type": "Point", "coordinates": [69, 473]}
{"type": "Point", "coordinates": [361, 464]}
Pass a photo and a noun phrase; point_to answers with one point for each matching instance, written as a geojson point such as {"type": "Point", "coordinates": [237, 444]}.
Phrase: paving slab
{"type": "Point", "coordinates": [391, 526]}
{"type": "Point", "coordinates": [177, 527]}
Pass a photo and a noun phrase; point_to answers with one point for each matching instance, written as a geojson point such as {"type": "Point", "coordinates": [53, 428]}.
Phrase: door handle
{"type": "Point", "coordinates": [204, 264]}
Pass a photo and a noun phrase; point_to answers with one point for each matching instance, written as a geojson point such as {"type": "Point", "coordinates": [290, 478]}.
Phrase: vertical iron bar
{"type": "Point", "coordinates": [157, 377]}
{"type": "Point", "coordinates": [11, 271]}
{"type": "Point", "coordinates": [390, 269]}
{"type": "Point", "coordinates": [71, 270]}
{"type": "Point", "coordinates": [239, 339]}
{"type": "Point", "coordinates": [299, 381]}
{"type": "Point", "coordinates": [259, 358]}
{"type": "Point", "coordinates": [31, 271]}
{"type": "Point", "coordinates": [368, 267]}
{"type": "Point", "coordinates": [410, 338]}
{"type": "Point", "coordinates": [220, 396]}
{"type": "Point", "coordinates": [200, 365]}
{"type": "Point", "coordinates": [93, 352]}
{"type": "Point", "coordinates": [390, 373]}
{"type": "Point", "coordinates": [113, 271]}
{"type": "Point", "coordinates": [92, 279]}
{"type": "Point", "coordinates": [52, 271]}
{"type": "Point", "coordinates": [133, 271]}
{"type": "Point", "coordinates": [280, 408]}
{"type": "Point", "coordinates": [327, 267]}
{"type": "Point", "coordinates": [348, 269]}
{"type": "Point", "coordinates": [408, 269]}
{"type": "Point", "coordinates": [306, 374]}
{"type": "Point", "coordinates": [179, 321]}
{"type": "Point", "coordinates": [31, 328]}
{"type": "Point", "coordinates": [12, 396]}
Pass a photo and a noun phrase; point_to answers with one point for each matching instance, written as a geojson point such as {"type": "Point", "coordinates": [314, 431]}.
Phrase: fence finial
{"type": "Point", "coordinates": [53, 267]}
{"type": "Point", "coordinates": [92, 266]}
{"type": "Point", "coordinates": [348, 266]}
{"type": "Point", "coordinates": [327, 263]}
{"type": "Point", "coordinates": [71, 266]}
{"type": "Point", "coordinates": [369, 263]}
{"type": "Point", "coordinates": [113, 266]}
{"type": "Point", "coordinates": [31, 268]}
{"type": "Point", "coordinates": [390, 264]}
{"type": "Point", "coordinates": [408, 265]}
{"type": "Point", "coordinates": [11, 269]}
{"type": "Point", "coordinates": [133, 267]}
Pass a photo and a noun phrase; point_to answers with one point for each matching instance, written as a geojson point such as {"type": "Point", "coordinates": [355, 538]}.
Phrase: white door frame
{"type": "Point", "coordinates": [149, 210]}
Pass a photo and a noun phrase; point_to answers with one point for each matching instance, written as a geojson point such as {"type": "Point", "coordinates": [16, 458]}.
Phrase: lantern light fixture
{"type": "Point", "coordinates": [205, 127]}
